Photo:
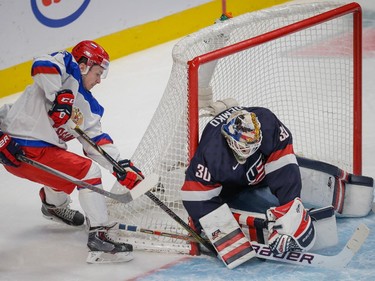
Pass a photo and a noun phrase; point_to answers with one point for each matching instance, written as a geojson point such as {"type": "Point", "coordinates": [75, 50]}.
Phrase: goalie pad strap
{"type": "Point", "coordinates": [334, 171]}
{"type": "Point", "coordinates": [361, 180]}
{"type": "Point", "coordinates": [319, 166]}
{"type": "Point", "coordinates": [339, 191]}
{"type": "Point", "coordinates": [255, 225]}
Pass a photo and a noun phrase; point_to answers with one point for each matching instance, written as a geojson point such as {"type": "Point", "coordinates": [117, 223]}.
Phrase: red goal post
{"type": "Point", "coordinates": [352, 8]}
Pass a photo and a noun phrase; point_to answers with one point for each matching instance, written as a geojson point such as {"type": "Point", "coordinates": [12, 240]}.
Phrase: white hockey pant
{"type": "Point", "coordinates": [93, 204]}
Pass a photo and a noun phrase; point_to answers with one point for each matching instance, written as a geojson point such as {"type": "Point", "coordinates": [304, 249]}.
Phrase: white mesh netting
{"type": "Point", "coordinates": [306, 78]}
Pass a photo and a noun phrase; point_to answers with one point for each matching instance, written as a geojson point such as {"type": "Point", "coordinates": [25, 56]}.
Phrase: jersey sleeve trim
{"type": "Point", "coordinates": [44, 67]}
{"type": "Point", "coordinates": [200, 195]}
{"type": "Point", "coordinates": [280, 153]}
{"type": "Point", "coordinates": [280, 162]}
{"type": "Point", "coordinates": [195, 191]}
{"type": "Point", "coordinates": [102, 139]}
{"type": "Point", "coordinates": [32, 143]}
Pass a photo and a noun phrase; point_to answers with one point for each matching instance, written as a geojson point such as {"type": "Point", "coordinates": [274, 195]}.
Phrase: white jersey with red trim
{"type": "Point", "coordinates": [27, 120]}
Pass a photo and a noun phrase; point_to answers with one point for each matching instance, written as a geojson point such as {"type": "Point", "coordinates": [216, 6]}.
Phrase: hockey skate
{"type": "Point", "coordinates": [103, 249]}
{"type": "Point", "coordinates": [61, 214]}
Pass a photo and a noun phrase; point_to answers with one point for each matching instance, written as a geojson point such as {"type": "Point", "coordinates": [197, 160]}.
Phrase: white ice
{"type": "Point", "coordinates": [32, 248]}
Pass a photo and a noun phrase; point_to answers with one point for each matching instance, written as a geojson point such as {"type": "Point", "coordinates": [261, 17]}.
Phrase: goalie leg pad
{"type": "Point", "coordinates": [358, 200]}
{"type": "Point", "coordinates": [324, 221]}
{"type": "Point", "coordinates": [325, 184]}
{"type": "Point", "coordinates": [227, 237]}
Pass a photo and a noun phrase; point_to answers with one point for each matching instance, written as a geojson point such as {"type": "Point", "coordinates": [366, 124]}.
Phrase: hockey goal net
{"type": "Point", "coordinates": [303, 61]}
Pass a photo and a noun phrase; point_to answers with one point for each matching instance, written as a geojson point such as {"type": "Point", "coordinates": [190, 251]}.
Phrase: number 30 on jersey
{"type": "Point", "coordinates": [203, 173]}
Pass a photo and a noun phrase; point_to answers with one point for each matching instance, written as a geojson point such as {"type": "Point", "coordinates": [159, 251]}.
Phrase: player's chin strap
{"type": "Point", "coordinates": [149, 194]}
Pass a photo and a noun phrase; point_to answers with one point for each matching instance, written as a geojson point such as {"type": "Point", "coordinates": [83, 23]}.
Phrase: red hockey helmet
{"type": "Point", "coordinates": [94, 53]}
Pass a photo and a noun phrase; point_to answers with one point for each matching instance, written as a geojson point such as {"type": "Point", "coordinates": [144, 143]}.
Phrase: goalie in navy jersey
{"type": "Point", "coordinates": [245, 159]}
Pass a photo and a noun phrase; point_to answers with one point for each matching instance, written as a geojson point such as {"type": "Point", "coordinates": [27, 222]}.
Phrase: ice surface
{"type": "Point", "coordinates": [32, 248]}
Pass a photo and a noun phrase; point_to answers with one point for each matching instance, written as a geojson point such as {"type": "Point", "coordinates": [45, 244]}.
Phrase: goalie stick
{"type": "Point", "coordinates": [262, 251]}
{"type": "Point", "coordinates": [146, 184]}
{"type": "Point", "coordinates": [311, 259]}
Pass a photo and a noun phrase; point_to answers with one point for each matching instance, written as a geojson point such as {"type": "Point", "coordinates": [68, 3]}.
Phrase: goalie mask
{"type": "Point", "coordinates": [94, 55]}
{"type": "Point", "coordinates": [243, 134]}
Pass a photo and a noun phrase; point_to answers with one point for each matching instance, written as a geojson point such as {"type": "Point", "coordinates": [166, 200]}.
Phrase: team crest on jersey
{"type": "Point", "coordinates": [256, 173]}
{"type": "Point", "coordinates": [77, 116]}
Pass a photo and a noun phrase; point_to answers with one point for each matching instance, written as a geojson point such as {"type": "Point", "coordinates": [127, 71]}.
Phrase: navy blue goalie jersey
{"type": "Point", "coordinates": [214, 174]}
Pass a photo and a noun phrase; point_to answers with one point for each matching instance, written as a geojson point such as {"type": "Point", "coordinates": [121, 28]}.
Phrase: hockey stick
{"type": "Point", "coordinates": [311, 259]}
{"type": "Point", "coordinates": [135, 228]}
{"type": "Point", "coordinates": [79, 131]}
{"type": "Point", "coordinates": [149, 182]}
{"type": "Point", "coordinates": [175, 217]}
{"type": "Point", "coordinates": [149, 194]}
{"type": "Point", "coordinates": [250, 220]}
{"type": "Point", "coordinates": [262, 251]}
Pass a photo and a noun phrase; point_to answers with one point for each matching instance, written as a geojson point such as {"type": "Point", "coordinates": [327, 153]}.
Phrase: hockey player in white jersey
{"type": "Point", "coordinates": [36, 126]}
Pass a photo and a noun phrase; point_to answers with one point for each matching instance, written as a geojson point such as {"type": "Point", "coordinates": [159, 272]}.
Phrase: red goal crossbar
{"type": "Point", "coordinates": [352, 8]}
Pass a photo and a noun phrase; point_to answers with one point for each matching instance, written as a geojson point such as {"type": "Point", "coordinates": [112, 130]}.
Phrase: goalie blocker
{"type": "Point", "coordinates": [227, 237]}
{"type": "Point", "coordinates": [325, 184]}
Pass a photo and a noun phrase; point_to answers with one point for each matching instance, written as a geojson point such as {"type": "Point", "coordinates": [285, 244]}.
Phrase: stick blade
{"type": "Point", "coordinates": [358, 238]}
{"type": "Point", "coordinates": [145, 185]}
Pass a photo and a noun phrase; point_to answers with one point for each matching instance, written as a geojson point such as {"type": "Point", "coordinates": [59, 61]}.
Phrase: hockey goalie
{"type": "Point", "coordinates": [245, 161]}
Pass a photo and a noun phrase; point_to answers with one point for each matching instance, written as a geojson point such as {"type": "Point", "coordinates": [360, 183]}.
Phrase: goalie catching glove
{"type": "Point", "coordinates": [290, 228]}
{"type": "Point", "coordinates": [130, 177]}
